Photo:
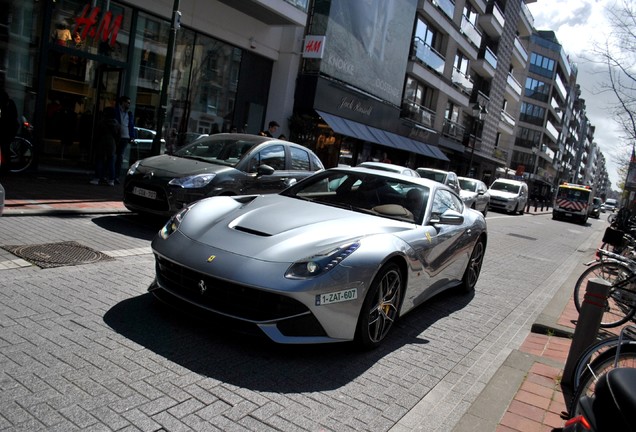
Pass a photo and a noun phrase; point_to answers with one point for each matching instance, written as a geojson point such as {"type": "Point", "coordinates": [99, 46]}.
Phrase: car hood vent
{"type": "Point", "coordinates": [251, 231]}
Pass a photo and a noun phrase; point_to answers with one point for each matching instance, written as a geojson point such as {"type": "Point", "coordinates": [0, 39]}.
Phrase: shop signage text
{"type": "Point", "coordinates": [355, 105]}
{"type": "Point", "coordinates": [87, 26]}
{"type": "Point", "coordinates": [314, 46]}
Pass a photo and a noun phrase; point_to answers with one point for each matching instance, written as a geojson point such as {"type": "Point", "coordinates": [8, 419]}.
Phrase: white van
{"type": "Point", "coordinates": [508, 195]}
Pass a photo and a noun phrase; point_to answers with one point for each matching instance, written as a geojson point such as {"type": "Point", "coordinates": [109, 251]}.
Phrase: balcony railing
{"type": "Point", "coordinates": [303, 5]}
{"type": "Point", "coordinates": [490, 57]}
{"type": "Point", "coordinates": [471, 32]}
{"type": "Point", "coordinates": [496, 12]}
{"type": "Point", "coordinates": [512, 82]}
{"type": "Point", "coordinates": [507, 118]}
{"type": "Point", "coordinates": [427, 55]}
{"type": "Point", "coordinates": [418, 113]}
{"type": "Point", "coordinates": [453, 130]}
{"type": "Point", "coordinates": [522, 51]}
{"type": "Point", "coordinates": [462, 80]}
{"type": "Point", "coordinates": [447, 6]}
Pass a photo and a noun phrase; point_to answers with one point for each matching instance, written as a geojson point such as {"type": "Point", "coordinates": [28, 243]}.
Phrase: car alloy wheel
{"type": "Point", "coordinates": [474, 267]}
{"type": "Point", "coordinates": [380, 307]}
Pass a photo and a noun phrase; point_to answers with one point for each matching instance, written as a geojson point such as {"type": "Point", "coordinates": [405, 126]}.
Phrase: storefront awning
{"type": "Point", "coordinates": [369, 133]}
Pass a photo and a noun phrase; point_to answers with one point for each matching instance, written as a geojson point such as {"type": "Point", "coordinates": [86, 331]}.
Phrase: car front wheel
{"type": "Point", "coordinates": [474, 267]}
{"type": "Point", "coordinates": [380, 307]}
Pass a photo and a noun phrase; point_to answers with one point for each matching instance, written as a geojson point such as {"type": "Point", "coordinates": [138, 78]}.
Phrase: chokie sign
{"type": "Point", "coordinates": [106, 30]}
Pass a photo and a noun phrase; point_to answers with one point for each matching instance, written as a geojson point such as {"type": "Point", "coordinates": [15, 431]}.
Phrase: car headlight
{"type": "Point", "coordinates": [192, 182]}
{"type": "Point", "coordinates": [173, 223]}
{"type": "Point", "coordinates": [133, 168]}
{"type": "Point", "coordinates": [320, 263]}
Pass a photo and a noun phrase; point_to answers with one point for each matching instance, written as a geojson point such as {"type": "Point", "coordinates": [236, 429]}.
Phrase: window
{"type": "Point", "coordinates": [528, 138]}
{"type": "Point", "coordinates": [445, 200]}
{"type": "Point", "coordinates": [273, 156]}
{"type": "Point", "coordinates": [532, 114]}
{"type": "Point", "coordinates": [541, 65]}
{"type": "Point", "coordinates": [299, 159]}
{"type": "Point", "coordinates": [536, 89]}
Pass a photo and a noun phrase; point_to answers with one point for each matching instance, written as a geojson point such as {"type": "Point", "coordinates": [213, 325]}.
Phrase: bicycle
{"type": "Point", "coordinates": [599, 358]}
{"type": "Point", "coordinates": [620, 271]}
{"type": "Point", "coordinates": [21, 153]}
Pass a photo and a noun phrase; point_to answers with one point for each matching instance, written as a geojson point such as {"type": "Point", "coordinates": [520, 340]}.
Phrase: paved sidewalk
{"type": "Point", "coordinates": [51, 192]}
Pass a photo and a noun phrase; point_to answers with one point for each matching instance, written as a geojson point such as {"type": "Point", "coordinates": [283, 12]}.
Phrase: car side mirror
{"type": "Point", "coordinates": [264, 170]}
{"type": "Point", "coordinates": [449, 217]}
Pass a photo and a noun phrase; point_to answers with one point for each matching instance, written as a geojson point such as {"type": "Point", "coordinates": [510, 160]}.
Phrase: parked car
{"type": "Point", "coordinates": [220, 164]}
{"type": "Point", "coordinates": [141, 146]}
{"type": "Point", "coordinates": [336, 257]}
{"type": "Point", "coordinates": [390, 168]}
{"type": "Point", "coordinates": [508, 195]}
{"type": "Point", "coordinates": [449, 178]}
{"type": "Point", "coordinates": [1, 199]}
{"type": "Point", "coordinates": [475, 194]}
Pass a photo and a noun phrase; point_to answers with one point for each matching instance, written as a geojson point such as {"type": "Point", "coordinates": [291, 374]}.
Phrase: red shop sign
{"type": "Point", "coordinates": [87, 25]}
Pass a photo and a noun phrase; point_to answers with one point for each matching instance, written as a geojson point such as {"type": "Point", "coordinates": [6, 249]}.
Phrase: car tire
{"type": "Point", "coordinates": [522, 208]}
{"type": "Point", "coordinates": [380, 307]}
{"type": "Point", "coordinates": [485, 211]}
{"type": "Point", "coordinates": [473, 269]}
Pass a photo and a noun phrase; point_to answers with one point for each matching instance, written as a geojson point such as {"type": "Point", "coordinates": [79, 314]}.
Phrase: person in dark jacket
{"type": "Point", "coordinates": [108, 134]}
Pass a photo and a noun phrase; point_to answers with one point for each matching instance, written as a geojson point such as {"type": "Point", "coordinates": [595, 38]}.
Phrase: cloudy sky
{"type": "Point", "coordinates": [578, 25]}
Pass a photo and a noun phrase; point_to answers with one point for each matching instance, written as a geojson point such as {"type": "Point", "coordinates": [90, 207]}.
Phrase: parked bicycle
{"type": "Point", "coordinates": [21, 150]}
{"type": "Point", "coordinates": [598, 359]}
{"type": "Point", "coordinates": [620, 271]}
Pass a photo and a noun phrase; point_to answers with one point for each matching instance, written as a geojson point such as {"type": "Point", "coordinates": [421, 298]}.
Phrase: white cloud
{"type": "Point", "coordinates": [580, 25]}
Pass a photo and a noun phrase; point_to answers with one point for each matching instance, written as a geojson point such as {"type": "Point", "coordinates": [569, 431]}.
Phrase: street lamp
{"type": "Point", "coordinates": [479, 114]}
{"type": "Point", "coordinates": [535, 150]}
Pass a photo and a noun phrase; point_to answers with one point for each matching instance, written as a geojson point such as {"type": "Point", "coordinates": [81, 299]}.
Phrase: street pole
{"type": "Point", "coordinates": [165, 84]}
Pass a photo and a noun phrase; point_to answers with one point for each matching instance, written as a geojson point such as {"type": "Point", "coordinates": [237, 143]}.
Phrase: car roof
{"type": "Point", "coordinates": [386, 166]}
{"type": "Point", "coordinates": [511, 181]}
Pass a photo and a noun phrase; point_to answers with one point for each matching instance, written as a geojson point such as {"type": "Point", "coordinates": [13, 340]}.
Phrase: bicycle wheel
{"type": "Point", "coordinates": [603, 363]}
{"type": "Point", "coordinates": [589, 355]}
{"type": "Point", "coordinates": [619, 307]}
{"type": "Point", "coordinates": [20, 155]}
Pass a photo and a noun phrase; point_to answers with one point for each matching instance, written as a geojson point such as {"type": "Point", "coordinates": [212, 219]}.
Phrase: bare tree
{"type": "Point", "coordinates": [618, 55]}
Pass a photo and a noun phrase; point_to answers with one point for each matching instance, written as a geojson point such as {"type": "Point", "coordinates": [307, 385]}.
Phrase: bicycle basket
{"type": "Point", "coordinates": [613, 237]}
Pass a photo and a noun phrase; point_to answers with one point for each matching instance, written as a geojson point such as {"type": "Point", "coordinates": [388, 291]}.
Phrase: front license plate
{"type": "Point", "coordinates": [337, 297]}
{"type": "Point", "coordinates": [144, 193]}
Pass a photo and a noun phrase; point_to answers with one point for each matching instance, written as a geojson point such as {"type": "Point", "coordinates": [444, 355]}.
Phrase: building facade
{"type": "Point", "coordinates": [429, 83]}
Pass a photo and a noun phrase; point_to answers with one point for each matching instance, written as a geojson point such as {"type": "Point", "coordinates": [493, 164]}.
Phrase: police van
{"type": "Point", "coordinates": [572, 202]}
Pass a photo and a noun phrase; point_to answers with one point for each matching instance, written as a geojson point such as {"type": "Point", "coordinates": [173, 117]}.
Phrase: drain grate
{"type": "Point", "coordinates": [57, 254]}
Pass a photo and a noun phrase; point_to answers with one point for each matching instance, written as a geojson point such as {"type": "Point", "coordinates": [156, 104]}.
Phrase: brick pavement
{"type": "Point", "coordinates": [537, 403]}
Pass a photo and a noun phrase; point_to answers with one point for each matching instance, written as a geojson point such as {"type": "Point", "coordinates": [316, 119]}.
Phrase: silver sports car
{"type": "Point", "coordinates": [338, 256]}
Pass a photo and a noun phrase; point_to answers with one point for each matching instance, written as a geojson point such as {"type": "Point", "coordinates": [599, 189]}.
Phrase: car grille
{"type": "Point", "coordinates": [225, 297]}
{"type": "Point", "coordinates": [158, 204]}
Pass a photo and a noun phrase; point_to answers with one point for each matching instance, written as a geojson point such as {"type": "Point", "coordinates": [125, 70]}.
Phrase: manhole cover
{"type": "Point", "coordinates": [57, 254]}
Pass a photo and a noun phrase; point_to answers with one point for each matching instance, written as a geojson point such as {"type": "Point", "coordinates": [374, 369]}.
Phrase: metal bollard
{"type": "Point", "coordinates": [535, 205]}
{"type": "Point", "coordinates": [586, 330]}
{"type": "Point", "coordinates": [542, 203]}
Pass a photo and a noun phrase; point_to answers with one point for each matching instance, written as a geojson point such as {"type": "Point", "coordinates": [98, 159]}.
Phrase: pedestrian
{"type": "Point", "coordinates": [271, 129]}
{"type": "Point", "coordinates": [124, 117]}
{"type": "Point", "coordinates": [9, 125]}
{"type": "Point", "coordinates": [107, 135]}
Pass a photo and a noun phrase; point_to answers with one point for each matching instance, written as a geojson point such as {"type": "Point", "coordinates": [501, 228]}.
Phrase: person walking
{"type": "Point", "coordinates": [108, 135]}
{"type": "Point", "coordinates": [9, 126]}
{"type": "Point", "coordinates": [124, 117]}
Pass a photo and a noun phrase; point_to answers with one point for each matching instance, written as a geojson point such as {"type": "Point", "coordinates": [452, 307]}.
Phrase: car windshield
{"type": "Point", "coordinates": [469, 185]}
{"type": "Point", "coordinates": [365, 193]}
{"type": "Point", "coordinates": [224, 151]}
{"type": "Point", "coordinates": [597, 201]}
{"type": "Point", "coordinates": [505, 187]}
{"type": "Point", "coordinates": [433, 175]}
{"type": "Point", "coordinates": [575, 195]}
